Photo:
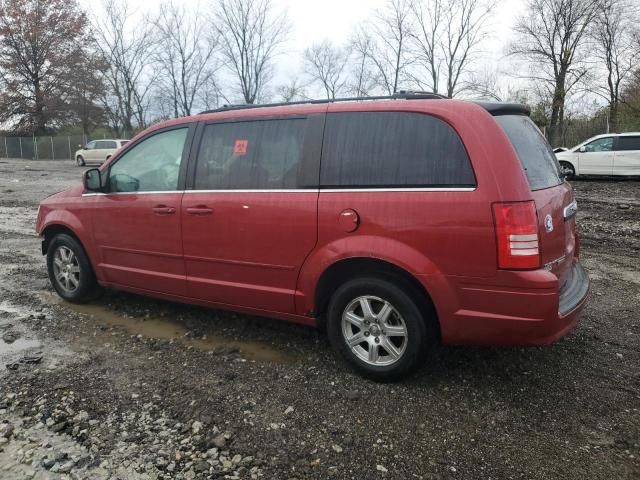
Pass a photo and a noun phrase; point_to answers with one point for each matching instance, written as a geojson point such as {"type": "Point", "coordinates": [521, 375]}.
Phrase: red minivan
{"type": "Point", "coordinates": [394, 222]}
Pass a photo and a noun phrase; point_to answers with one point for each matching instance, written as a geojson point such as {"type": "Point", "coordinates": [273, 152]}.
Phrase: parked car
{"type": "Point", "coordinates": [393, 223]}
{"type": "Point", "coordinates": [98, 151]}
{"type": "Point", "coordinates": [610, 154]}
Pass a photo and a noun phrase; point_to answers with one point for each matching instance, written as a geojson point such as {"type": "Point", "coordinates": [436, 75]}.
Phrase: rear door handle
{"type": "Point", "coordinates": [199, 210]}
{"type": "Point", "coordinates": [163, 210]}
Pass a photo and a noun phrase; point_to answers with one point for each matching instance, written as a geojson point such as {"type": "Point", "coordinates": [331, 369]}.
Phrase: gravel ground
{"type": "Point", "coordinates": [133, 388]}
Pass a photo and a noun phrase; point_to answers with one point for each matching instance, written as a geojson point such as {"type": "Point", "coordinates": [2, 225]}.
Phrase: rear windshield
{"type": "Point", "coordinates": [535, 154]}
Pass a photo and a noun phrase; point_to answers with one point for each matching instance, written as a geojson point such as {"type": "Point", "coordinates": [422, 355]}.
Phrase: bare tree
{"type": "Point", "coordinates": [128, 49]}
{"type": "Point", "coordinates": [186, 57]}
{"type": "Point", "coordinates": [250, 36]}
{"type": "Point", "coordinates": [292, 91]}
{"type": "Point", "coordinates": [391, 31]}
{"type": "Point", "coordinates": [465, 28]}
{"type": "Point", "coordinates": [447, 38]}
{"type": "Point", "coordinates": [551, 37]}
{"type": "Point", "coordinates": [615, 50]}
{"type": "Point", "coordinates": [325, 64]}
{"type": "Point", "coordinates": [42, 46]}
{"type": "Point", "coordinates": [427, 39]}
{"type": "Point", "coordinates": [85, 94]}
{"type": "Point", "coordinates": [362, 79]}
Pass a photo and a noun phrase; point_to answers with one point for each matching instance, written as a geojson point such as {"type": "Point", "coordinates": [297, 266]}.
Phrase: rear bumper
{"type": "Point", "coordinates": [531, 310]}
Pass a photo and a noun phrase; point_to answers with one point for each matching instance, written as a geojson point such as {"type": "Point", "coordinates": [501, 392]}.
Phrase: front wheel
{"type": "Point", "coordinates": [69, 269]}
{"type": "Point", "coordinates": [80, 161]}
{"type": "Point", "coordinates": [377, 328]}
{"type": "Point", "coordinates": [567, 170]}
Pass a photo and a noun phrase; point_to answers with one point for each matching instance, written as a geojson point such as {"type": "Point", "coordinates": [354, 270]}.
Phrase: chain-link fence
{"type": "Point", "coordinates": [576, 131]}
{"type": "Point", "coordinates": [42, 148]}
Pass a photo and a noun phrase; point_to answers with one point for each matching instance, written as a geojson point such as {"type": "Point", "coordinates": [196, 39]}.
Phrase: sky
{"type": "Point", "coordinates": [315, 20]}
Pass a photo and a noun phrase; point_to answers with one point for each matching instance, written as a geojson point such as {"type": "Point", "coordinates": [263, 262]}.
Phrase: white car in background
{"type": "Point", "coordinates": [98, 151]}
{"type": "Point", "coordinates": [609, 154]}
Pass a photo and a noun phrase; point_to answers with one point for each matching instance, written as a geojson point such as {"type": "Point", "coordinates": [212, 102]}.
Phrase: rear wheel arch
{"type": "Point", "coordinates": [344, 270]}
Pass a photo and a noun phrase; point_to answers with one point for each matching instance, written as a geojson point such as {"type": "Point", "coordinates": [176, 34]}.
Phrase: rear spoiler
{"type": "Point", "coordinates": [499, 108]}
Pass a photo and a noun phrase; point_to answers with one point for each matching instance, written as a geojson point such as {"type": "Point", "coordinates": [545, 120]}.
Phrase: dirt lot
{"type": "Point", "coordinates": [132, 388]}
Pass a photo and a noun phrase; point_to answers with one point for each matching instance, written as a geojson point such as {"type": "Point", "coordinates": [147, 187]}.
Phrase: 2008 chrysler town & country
{"type": "Point", "coordinates": [395, 222]}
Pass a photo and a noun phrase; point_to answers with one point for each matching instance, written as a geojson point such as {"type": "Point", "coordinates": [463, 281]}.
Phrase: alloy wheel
{"type": "Point", "coordinates": [374, 330]}
{"type": "Point", "coordinates": [66, 269]}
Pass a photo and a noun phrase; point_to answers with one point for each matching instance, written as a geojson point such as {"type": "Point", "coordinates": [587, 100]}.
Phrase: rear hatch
{"type": "Point", "coordinates": [552, 195]}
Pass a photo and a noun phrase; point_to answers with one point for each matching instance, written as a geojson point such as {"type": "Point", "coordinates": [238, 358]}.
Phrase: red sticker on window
{"type": "Point", "coordinates": [240, 147]}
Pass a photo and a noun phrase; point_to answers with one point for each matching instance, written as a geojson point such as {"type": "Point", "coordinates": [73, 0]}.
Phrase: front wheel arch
{"type": "Point", "coordinates": [568, 169]}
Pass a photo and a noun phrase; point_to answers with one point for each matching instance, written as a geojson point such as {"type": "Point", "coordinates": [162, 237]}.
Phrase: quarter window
{"type": "Point", "coordinates": [628, 143]}
{"type": "Point", "coordinates": [153, 165]}
{"type": "Point", "coordinates": [389, 149]}
{"type": "Point", "coordinates": [250, 155]}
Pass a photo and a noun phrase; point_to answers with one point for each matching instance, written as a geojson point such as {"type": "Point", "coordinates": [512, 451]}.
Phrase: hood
{"type": "Point", "coordinates": [74, 191]}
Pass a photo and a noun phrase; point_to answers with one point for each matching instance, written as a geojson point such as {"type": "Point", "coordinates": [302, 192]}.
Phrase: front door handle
{"type": "Point", "coordinates": [163, 210]}
{"type": "Point", "coordinates": [199, 210]}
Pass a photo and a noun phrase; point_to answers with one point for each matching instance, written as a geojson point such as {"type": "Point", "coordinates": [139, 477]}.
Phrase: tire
{"type": "Point", "coordinates": [80, 161]}
{"type": "Point", "coordinates": [69, 269]}
{"type": "Point", "coordinates": [568, 170]}
{"type": "Point", "coordinates": [346, 319]}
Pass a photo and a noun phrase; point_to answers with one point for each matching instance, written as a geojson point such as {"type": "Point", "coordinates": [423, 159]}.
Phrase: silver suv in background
{"type": "Point", "coordinates": [98, 151]}
{"type": "Point", "coordinates": [609, 154]}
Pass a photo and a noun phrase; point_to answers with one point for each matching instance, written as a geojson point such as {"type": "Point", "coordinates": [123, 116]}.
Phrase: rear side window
{"type": "Point", "coordinates": [628, 143]}
{"type": "Point", "coordinates": [392, 149]}
{"type": "Point", "coordinates": [250, 155]}
{"type": "Point", "coordinates": [533, 150]}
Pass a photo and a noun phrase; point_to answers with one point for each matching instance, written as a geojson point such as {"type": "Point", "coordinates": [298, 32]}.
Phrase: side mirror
{"type": "Point", "coordinates": [583, 149]}
{"type": "Point", "coordinates": [92, 180]}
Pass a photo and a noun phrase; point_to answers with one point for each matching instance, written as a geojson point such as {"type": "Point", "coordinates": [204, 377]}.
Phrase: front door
{"type": "Point", "coordinates": [136, 223]}
{"type": "Point", "coordinates": [597, 159]}
{"type": "Point", "coordinates": [250, 220]}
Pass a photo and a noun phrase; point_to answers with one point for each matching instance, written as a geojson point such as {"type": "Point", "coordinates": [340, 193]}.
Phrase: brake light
{"type": "Point", "coordinates": [517, 235]}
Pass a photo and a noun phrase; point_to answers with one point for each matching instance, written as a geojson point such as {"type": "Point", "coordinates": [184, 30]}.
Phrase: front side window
{"type": "Point", "coordinates": [251, 155]}
{"type": "Point", "coordinates": [600, 145]}
{"type": "Point", "coordinates": [392, 149]}
{"type": "Point", "coordinates": [90, 145]}
{"type": "Point", "coordinates": [153, 165]}
{"type": "Point", "coordinates": [628, 143]}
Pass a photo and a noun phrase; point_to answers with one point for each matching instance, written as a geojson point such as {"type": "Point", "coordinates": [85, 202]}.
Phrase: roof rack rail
{"type": "Point", "coordinates": [401, 95]}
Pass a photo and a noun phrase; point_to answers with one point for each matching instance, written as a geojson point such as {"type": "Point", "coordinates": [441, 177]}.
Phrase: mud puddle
{"type": "Point", "coordinates": [166, 329]}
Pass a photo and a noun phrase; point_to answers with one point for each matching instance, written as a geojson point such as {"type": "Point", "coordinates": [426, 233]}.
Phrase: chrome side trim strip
{"type": "Point", "coordinates": [275, 190]}
{"type": "Point", "coordinates": [398, 189]}
{"type": "Point", "coordinates": [308, 190]}
{"type": "Point", "coordinates": [98, 194]}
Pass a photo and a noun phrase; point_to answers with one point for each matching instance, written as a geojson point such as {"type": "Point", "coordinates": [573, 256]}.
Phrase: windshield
{"type": "Point", "coordinates": [535, 154]}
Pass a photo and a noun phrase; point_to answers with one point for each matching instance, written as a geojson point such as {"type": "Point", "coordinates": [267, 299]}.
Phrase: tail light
{"type": "Point", "coordinates": [517, 235]}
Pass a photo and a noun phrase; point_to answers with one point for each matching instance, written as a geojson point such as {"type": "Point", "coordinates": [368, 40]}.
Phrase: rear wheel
{"type": "Point", "coordinates": [377, 328]}
{"type": "Point", "coordinates": [567, 170]}
{"type": "Point", "coordinates": [69, 269]}
{"type": "Point", "coordinates": [80, 161]}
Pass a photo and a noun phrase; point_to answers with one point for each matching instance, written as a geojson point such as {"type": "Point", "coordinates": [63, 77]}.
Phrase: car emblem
{"type": "Point", "coordinates": [548, 223]}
